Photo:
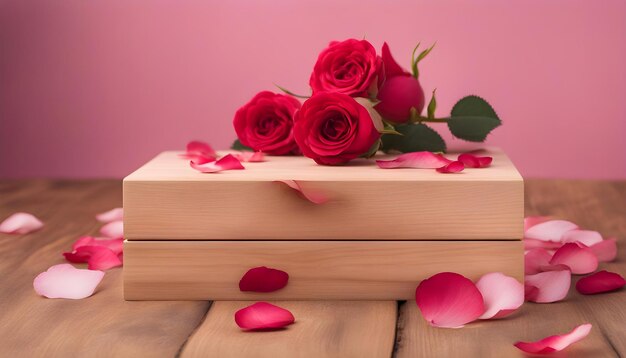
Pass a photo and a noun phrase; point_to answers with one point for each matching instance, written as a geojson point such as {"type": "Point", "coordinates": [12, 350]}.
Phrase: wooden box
{"type": "Point", "coordinates": [192, 235]}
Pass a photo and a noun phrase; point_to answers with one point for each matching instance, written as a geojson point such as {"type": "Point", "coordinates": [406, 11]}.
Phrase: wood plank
{"type": "Point", "coordinates": [352, 270]}
{"type": "Point", "coordinates": [341, 329]}
{"type": "Point", "coordinates": [168, 200]}
{"type": "Point", "coordinates": [594, 205]}
{"type": "Point", "coordinates": [101, 325]}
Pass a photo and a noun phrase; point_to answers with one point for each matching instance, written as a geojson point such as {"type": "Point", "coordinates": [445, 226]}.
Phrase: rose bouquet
{"type": "Point", "coordinates": [360, 103]}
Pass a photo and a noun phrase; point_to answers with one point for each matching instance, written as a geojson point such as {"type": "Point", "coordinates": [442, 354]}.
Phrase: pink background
{"type": "Point", "coordinates": [95, 88]}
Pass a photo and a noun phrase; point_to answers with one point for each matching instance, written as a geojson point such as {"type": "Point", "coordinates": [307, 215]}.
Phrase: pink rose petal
{"type": "Point", "coordinates": [263, 279]}
{"type": "Point", "coordinates": [250, 157]}
{"type": "Point", "coordinates": [115, 245]}
{"type": "Point", "coordinates": [449, 300]}
{"type": "Point", "coordinates": [227, 162]}
{"type": "Point", "coordinates": [20, 223]}
{"type": "Point", "coordinates": [555, 343]}
{"type": "Point", "coordinates": [452, 167]}
{"type": "Point", "coordinates": [263, 316]}
{"type": "Point", "coordinates": [535, 260]}
{"type": "Point", "coordinates": [530, 221]}
{"type": "Point", "coordinates": [310, 195]}
{"type": "Point", "coordinates": [586, 237]}
{"type": "Point", "coordinates": [66, 281]}
{"type": "Point", "coordinates": [530, 244]}
{"type": "Point", "coordinates": [502, 294]}
{"type": "Point", "coordinates": [606, 250]}
{"type": "Point", "coordinates": [97, 257]}
{"type": "Point", "coordinates": [199, 152]}
{"type": "Point", "coordinates": [113, 230]}
{"type": "Point", "coordinates": [472, 161]}
{"type": "Point", "coordinates": [552, 230]}
{"type": "Point", "coordinates": [600, 282]}
{"type": "Point", "coordinates": [418, 160]}
{"type": "Point", "coordinates": [580, 259]}
{"type": "Point", "coordinates": [116, 214]}
{"type": "Point", "coordinates": [550, 286]}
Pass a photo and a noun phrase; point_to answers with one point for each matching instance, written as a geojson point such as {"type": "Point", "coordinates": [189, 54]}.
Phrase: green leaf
{"type": "Point", "coordinates": [373, 149]}
{"type": "Point", "coordinates": [472, 119]}
{"type": "Point", "coordinates": [432, 105]}
{"type": "Point", "coordinates": [415, 138]}
{"type": "Point", "coordinates": [238, 146]}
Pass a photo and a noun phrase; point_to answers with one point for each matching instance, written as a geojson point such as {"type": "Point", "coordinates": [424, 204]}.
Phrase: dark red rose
{"type": "Point", "coordinates": [399, 92]}
{"type": "Point", "coordinates": [266, 123]}
{"type": "Point", "coordinates": [333, 128]}
{"type": "Point", "coordinates": [350, 67]}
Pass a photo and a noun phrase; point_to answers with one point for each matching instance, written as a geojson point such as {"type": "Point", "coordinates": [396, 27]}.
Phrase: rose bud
{"type": "Point", "coordinates": [350, 67]}
{"type": "Point", "coordinates": [399, 92]}
{"type": "Point", "coordinates": [266, 123]}
{"type": "Point", "coordinates": [333, 128]}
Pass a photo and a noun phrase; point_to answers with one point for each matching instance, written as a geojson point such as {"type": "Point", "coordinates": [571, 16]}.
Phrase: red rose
{"type": "Point", "coordinates": [399, 93]}
{"type": "Point", "coordinates": [266, 123]}
{"type": "Point", "coordinates": [333, 128]}
{"type": "Point", "coordinates": [350, 67]}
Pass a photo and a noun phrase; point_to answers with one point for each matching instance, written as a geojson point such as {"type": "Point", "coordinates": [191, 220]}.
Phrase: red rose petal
{"type": "Point", "coordinates": [417, 160]}
{"type": "Point", "coordinates": [263, 316]}
{"type": "Point", "coordinates": [66, 281]}
{"type": "Point", "coordinates": [472, 161]}
{"type": "Point", "coordinates": [551, 230]}
{"type": "Point", "coordinates": [392, 68]}
{"type": "Point", "coordinates": [530, 244]}
{"type": "Point", "coordinates": [550, 286]}
{"type": "Point", "coordinates": [20, 223]}
{"type": "Point", "coordinates": [227, 162]}
{"type": "Point", "coordinates": [606, 250]}
{"type": "Point", "coordinates": [580, 259]}
{"type": "Point", "coordinates": [453, 167]}
{"type": "Point", "coordinates": [600, 282]}
{"type": "Point", "coordinates": [310, 195]}
{"type": "Point", "coordinates": [530, 221]}
{"type": "Point", "coordinates": [263, 279]}
{"type": "Point", "coordinates": [449, 300]}
{"type": "Point", "coordinates": [586, 237]}
{"type": "Point", "coordinates": [97, 257]}
{"type": "Point", "coordinates": [113, 230]}
{"type": "Point", "coordinates": [115, 245]}
{"type": "Point", "coordinates": [115, 214]}
{"type": "Point", "coordinates": [555, 343]}
{"type": "Point", "coordinates": [502, 294]}
{"type": "Point", "coordinates": [535, 260]}
{"type": "Point", "coordinates": [199, 152]}
{"type": "Point", "coordinates": [250, 157]}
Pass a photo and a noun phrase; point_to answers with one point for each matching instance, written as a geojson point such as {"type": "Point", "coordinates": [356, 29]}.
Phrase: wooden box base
{"type": "Point", "coordinates": [318, 270]}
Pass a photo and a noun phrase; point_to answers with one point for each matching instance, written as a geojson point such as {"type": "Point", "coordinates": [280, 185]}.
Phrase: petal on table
{"type": "Point", "coordinates": [502, 294]}
{"type": "Point", "coordinates": [579, 258]}
{"type": "Point", "coordinates": [452, 167]}
{"type": "Point", "coordinates": [20, 223]}
{"type": "Point", "coordinates": [263, 316]}
{"type": "Point", "coordinates": [66, 281]}
{"type": "Point", "coordinates": [549, 286]}
{"type": "Point", "coordinates": [111, 215]}
{"type": "Point", "coordinates": [535, 259]}
{"type": "Point", "coordinates": [600, 282]}
{"type": "Point", "coordinates": [263, 279]}
{"type": "Point", "coordinates": [116, 245]}
{"type": "Point", "coordinates": [555, 343]}
{"type": "Point", "coordinates": [552, 230]}
{"type": "Point", "coordinates": [311, 195]}
{"type": "Point", "coordinates": [530, 221]}
{"type": "Point", "coordinates": [606, 250]}
{"type": "Point", "coordinates": [97, 257]}
{"type": "Point", "coordinates": [227, 162]}
{"type": "Point", "coordinates": [473, 161]}
{"type": "Point", "coordinates": [417, 160]}
{"type": "Point", "coordinates": [586, 237]}
{"type": "Point", "coordinates": [530, 244]}
{"type": "Point", "coordinates": [113, 230]}
{"type": "Point", "coordinates": [250, 157]}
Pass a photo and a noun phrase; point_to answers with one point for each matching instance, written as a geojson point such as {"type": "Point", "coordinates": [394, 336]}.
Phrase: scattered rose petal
{"type": "Point", "coordinates": [453, 167]}
{"type": "Point", "coordinates": [530, 244]}
{"type": "Point", "coordinates": [96, 257]}
{"type": "Point", "coordinates": [199, 152]}
{"type": "Point", "coordinates": [227, 162]}
{"type": "Point", "coordinates": [116, 214]}
{"type": "Point", "coordinates": [263, 316]}
{"type": "Point", "coordinates": [586, 237]}
{"type": "Point", "coordinates": [535, 259]}
{"type": "Point", "coordinates": [20, 223]}
{"type": "Point", "coordinates": [113, 230]}
{"type": "Point", "coordinates": [472, 161]}
{"type": "Point", "coordinates": [418, 160]}
{"type": "Point", "coordinates": [263, 279]}
{"type": "Point", "coordinates": [115, 245]}
{"type": "Point", "coordinates": [310, 195]}
{"type": "Point", "coordinates": [531, 221]}
{"type": "Point", "coordinates": [606, 250]}
{"type": "Point", "coordinates": [549, 286]}
{"type": "Point", "coordinates": [551, 230]}
{"type": "Point", "coordinates": [250, 157]}
{"type": "Point", "coordinates": [502, 294]}
{"type": "Point", "coordinates": [449, 300]}
{"type": "Point", "coordinates": [555, 343]}
{"type": "Point", "coordinates": [66, 281]}
{"type": "Point", "coordinates": [580, 259]}
{"type": "Point", "coordinates": [600, 282]}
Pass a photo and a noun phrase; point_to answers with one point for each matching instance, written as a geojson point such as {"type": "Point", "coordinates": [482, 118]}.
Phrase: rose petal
{"type": "Point", "coordinates": [606, 250]}
{"type": "Point", "coordinates": [263, 279]}
{"type": "Point", "coordinates": [418, 160]}
{"type": "Point", "coordinates": [227, 162]}
{"type": "Point", "coordinates": [472, 161]}
{"type": "Point", "coordinates": [531, 221]}
{"type": "Point", "coordinates": [263, 316]}
{"type": "Point", "coordinates": [530, 244]}
{"type": "Point", "coordinates": [20, 223]}
{"type": "Point", "coordinates": [250, 157]}
{"type": "Point", "coordinates": [555, 343]}
{"type": "Point", "coordinates": [199, 152]}
{"type": "Point", "coordinates": [551, 230]}
{"type": "Point", "coordinates": [97, 257]}
{"type": "Point", "coordinates": [586, 237]}
{"type": "Point", "coordinates": [113, 230]}
{"type": "Point", "coordinates": [580, 259]}
{"type": "Point", "coordinates": [115, 245]}
{"type": "Point", "coordinates": [453, 167]}
{"type": "Point", "coordinates": [550, 286]}
{"type": "Point", "coordinates": [310, 195]}
{"type": "Point", "coordinates": [600, 282]}
{"type": "Point", "coordinates": [66, 281]}
{"type": "Point", "coordinates": [116, 214]}
{"type": "Point", "coordinates": [502, 294]}
{"type": "Point", "coordinates": [535, 260]}
{"type": "Point", "coordinates": [449, 300]}
{"type": "Point", "coordinates": [392, 68]}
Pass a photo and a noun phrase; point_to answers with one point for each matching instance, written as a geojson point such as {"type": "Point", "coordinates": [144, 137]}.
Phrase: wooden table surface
{"type": "Point", "coordinates": [105, 325]}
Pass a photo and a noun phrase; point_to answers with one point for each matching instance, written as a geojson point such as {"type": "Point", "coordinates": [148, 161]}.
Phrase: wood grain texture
{"type": "Point", "coordinates": [342, 329]}
{"type": "Point", "coordinates": [318, 270]}
{"type": "Point", "coordinates": [168, 200]}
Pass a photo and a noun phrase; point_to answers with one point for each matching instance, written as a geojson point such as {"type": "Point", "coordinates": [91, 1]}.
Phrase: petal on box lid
{"type": "Point", "coordinates": [263, 279]}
